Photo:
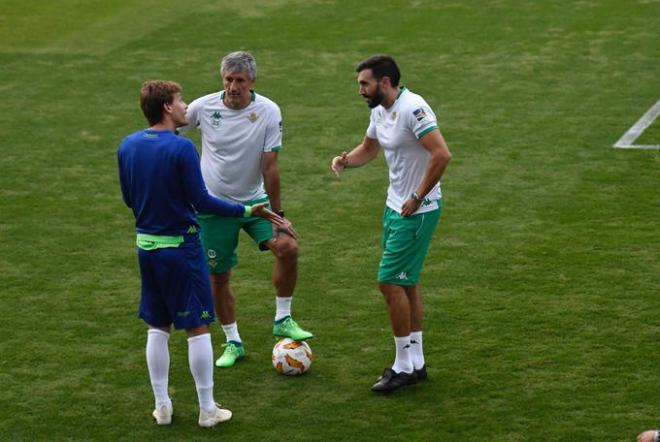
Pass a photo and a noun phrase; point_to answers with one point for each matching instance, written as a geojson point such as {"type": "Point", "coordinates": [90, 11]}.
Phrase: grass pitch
{"type": "Point", "coordinates": [541, 285]}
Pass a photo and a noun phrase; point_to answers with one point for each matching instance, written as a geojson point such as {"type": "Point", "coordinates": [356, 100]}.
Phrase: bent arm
{"type": "Point", "coordinates": [435, 143]}
{"type": "Point", "coordinates": [363, 153]}
{"type": "Point", "coordinates": [359, 156]}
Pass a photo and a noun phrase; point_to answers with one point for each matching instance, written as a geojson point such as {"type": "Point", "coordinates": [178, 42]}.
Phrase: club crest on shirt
{"type": "Point", "coordinates": [393, 116]}
{"type": "Point", "coordinates": [419, 114]}
{"type": "Point", "coordinates": [216, 118]}
{"type": "Point", "coordinates": [253, 117]}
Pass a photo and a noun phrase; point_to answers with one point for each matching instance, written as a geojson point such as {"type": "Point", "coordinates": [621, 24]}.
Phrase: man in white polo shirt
{"type": "Point", "coordinates": [241, 137]}
{"type": "Point", "coordinates": [403, 125]}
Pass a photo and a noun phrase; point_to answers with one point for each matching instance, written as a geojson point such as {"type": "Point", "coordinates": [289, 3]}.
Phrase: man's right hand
{"type": "Point", "coordinates": [339, 163]}
{"type": "Point", "coordinates": [279, 223]}
{"type": "Point", "coordinates": [261, 210]}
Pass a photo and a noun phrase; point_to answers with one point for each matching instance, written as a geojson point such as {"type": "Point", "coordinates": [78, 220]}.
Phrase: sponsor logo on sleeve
{"type": "Point", "coordinates": [419, 114]}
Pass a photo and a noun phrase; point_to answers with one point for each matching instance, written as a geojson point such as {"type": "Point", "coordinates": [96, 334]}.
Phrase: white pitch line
{"type": "Point", "coordinates": [627, 140]}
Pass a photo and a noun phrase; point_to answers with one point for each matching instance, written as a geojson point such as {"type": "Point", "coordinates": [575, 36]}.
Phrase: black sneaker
{"type": "Point", "coordinates": [391, 380]}
{"type": "Point", "coordinates": [421, 373]}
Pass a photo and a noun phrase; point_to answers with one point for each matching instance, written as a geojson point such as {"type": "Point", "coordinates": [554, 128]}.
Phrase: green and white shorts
{"type": "Point", "coordinates": [406, 242]}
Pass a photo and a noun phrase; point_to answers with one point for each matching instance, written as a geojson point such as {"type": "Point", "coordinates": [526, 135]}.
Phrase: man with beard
{"type": "Point", "coordinates": [162, 183]}
{"type": "Point", "coordinates": [241, 137]}
{"type": "Point", "coordinates": [403, 125]}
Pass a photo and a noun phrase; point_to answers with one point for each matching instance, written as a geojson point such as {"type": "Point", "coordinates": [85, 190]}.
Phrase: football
{"type": "Point", "coordinates": [291, 357]}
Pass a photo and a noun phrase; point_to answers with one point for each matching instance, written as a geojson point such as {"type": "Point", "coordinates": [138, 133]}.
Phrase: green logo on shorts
{"type": "Point", "coordinates": [205, 315]}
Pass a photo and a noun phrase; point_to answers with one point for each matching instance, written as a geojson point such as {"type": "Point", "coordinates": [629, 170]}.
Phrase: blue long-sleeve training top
{"type": "Point", "coordinates": [162, 183]}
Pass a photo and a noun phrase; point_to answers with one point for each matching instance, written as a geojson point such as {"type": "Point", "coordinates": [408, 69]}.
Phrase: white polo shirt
{"type": "Point", "coordinates": [398, 130]}
{"type": "Point", "coordinates": [233, 144]}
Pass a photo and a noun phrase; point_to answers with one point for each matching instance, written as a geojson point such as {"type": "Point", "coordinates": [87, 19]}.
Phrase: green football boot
{"type": "Point", "coordinates": [233, 351]}
{"type": "Point", "coordinates": [288, 328]}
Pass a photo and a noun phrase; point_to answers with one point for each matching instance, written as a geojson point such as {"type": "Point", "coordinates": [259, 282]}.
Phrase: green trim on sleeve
{"type": "Point", "coordinates": [427, 130]}
{"type": "Point", "coordinates": [248, 212]}
{"type": "Point", "coordinates": [275, 149]}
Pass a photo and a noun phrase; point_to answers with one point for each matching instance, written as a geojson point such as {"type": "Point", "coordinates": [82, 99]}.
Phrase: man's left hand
{"type": "Point", "coordinates": [285, 227]}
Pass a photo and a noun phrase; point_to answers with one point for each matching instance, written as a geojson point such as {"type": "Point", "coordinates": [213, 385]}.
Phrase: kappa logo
{"type": "Point", "coordinates": [205, 315]}
{"type": "Point", "coordinates": [216, 119]}
{"type": "Point", "coordinates": [402, 276]}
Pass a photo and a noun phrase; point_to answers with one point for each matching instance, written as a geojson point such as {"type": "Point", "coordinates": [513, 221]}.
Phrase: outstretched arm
{"type": "Point", "coordinates": [359, 156]}
{"type": "Point", "coordinates": [198, 195]}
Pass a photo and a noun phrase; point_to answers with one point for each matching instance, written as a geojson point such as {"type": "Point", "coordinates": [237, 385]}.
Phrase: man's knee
{"type": "Point", "coordinates": [285, 247]}
{"type": "Point", "coordinates": [196, 331]}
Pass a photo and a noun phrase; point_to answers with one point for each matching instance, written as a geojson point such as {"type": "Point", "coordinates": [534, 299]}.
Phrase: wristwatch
{"type": "Point", "coordinates": [416, 197]}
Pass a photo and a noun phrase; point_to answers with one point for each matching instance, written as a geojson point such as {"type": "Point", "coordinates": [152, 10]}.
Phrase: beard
{"type": "Point", "coordinates": [376, 99]}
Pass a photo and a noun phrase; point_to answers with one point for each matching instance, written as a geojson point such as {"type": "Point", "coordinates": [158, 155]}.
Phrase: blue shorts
{"type": "Point", "coordinates": [175, 286]}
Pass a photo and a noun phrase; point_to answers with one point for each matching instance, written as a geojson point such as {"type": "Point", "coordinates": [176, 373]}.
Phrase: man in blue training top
{"type": "Point", "coordinates": [162, 183]}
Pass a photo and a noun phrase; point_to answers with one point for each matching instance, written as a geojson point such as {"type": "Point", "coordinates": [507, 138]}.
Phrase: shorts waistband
{"type": "Point", "coordinates": [148, 241]}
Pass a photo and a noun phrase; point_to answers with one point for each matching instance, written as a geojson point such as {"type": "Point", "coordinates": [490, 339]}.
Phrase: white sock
{"type": "Point", "coordinates": [283, 306]}
{"type": "Point", "coordinates": [231, 332]}
{"type": "Point", "coordinates": [416, 350]}
{"type": "Point", "coordinates": [158, 363]}
{"type": "Point", "coordinates": [200, 359]}
{"type": "Point", "coordinates": [402, 361]}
